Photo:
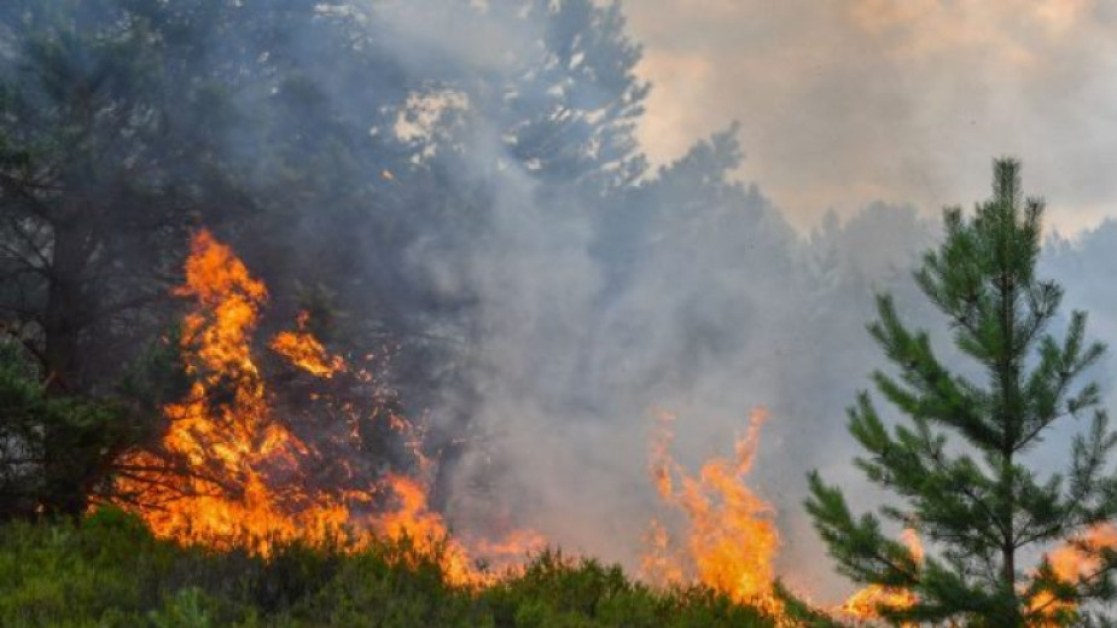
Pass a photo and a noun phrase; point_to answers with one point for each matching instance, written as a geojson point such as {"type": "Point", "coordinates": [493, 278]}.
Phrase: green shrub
{"type": "Point", "coordinates": [109, 571]}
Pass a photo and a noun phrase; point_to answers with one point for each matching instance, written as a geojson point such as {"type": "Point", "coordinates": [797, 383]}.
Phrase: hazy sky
{"type": "Point", "coordinates": [847, 101]}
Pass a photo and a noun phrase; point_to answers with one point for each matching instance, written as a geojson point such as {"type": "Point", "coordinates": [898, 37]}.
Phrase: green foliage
{"type": "Point", "coordinates": [109, 571]}
{"type": "Point", "coordinates": [957, 462]}
{"type": "Point", "coordinates": [556, 591]}
{"type": "Point", "coordinates": [52, 447]}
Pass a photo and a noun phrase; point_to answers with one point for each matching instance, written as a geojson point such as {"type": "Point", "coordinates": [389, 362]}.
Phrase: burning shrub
{"type": "Point", "coordinates": [232, 472]}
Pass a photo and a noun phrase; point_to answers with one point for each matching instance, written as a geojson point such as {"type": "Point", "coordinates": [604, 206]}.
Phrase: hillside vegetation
{"type": "Point", "coordinates": [110, 571]}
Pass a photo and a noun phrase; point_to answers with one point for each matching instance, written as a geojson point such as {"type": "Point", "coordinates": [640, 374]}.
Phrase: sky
{"type": "Point", "coordinates": [845, 102]}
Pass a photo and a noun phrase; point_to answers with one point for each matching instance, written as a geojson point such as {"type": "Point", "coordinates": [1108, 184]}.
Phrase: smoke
{"type": "Point", "coordinates": [844, 103]}
{"type": "Point", "coordinates": [690, 292]}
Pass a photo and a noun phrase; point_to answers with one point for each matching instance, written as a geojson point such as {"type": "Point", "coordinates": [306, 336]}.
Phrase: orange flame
{"type": "Point", "coordinates": [1070, 563]}
{"type": "Point", "coordinates": [238, 479]}
{"type": "Point", "coordinates": [866, 603]}
{"type": "Point", "coordinates": [223, 429]}
{"type": "Point", "coordinates": [1073, 562]}
{"type": "Point", "coordinates": [427, 531]}
{"type": "Point", "coordinates": [305, 352]}
{"type": "Point", "coordinates": [731, 541]}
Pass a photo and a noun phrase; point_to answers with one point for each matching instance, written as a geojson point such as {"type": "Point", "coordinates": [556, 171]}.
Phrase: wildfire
{"type": "Point", "coordinates": [223, 430]}
{"type": "Point", "coordinates": [228, 473]}
{"type": "Point", "coordinates": [731, 538]}
{"type": "Point", "coordinates": [1073, 562]}
{"type": "Point", "coordinates": [305, 352]}
{"type": "Point", "coordinates": [427, 531]}
{"type": "Point", "coordinates": [865, 604]}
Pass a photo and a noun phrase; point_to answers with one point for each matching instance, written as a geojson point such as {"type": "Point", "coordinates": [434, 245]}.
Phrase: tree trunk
{"type": "Point", "coordinates": [65, 318]}
{"type": "Point", "coordinates": [66, 312]}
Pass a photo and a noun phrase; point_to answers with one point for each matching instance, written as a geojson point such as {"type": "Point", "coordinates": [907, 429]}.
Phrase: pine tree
{"type": "Point", "coordinates": [957, 460]}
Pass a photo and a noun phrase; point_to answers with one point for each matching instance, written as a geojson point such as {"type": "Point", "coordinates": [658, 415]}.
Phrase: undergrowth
{"type": "Point", "coordinates": [108, 570]}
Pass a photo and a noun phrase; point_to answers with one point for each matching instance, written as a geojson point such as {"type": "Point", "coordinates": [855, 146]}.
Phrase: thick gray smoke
{"type": "Point", "coordinates": [690, 294]}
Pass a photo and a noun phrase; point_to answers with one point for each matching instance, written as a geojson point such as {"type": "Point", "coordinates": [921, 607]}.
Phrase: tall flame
{"type": "Point", "coordinates": [241, 481]}
{"type": "Point", "coordinates": [227, 473]}
{"type": "Point", "coordinates": [731, 538]}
